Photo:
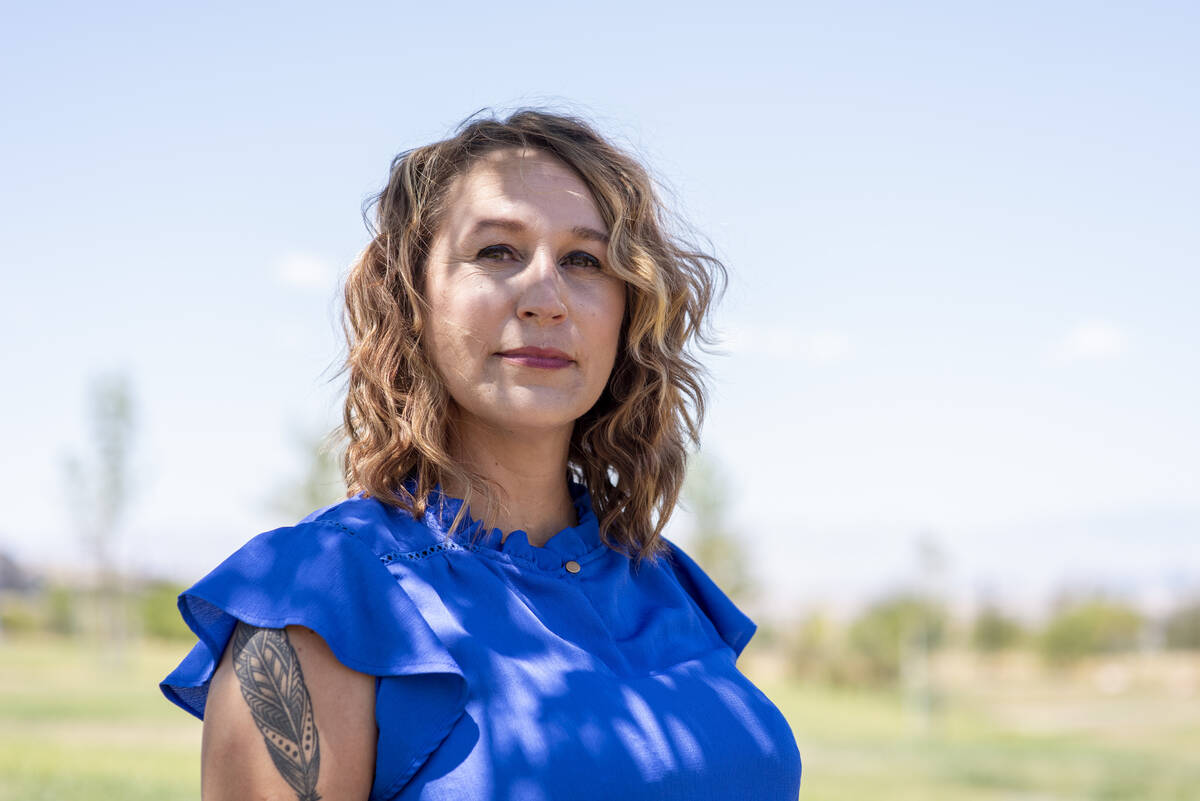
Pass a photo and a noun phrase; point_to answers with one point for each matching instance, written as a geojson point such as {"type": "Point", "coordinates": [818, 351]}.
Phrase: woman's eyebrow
{"type": "Point", "coordinates": [518, 227]}
{"type": "Point", "coordinates": [584, 232]}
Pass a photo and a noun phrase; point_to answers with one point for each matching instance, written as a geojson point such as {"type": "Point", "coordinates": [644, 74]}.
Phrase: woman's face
{"type": "Point", "coordinates": [524, 316]}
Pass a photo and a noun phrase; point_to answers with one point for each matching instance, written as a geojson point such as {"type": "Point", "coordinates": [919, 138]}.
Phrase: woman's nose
{"type": "Point", "coordinates": [542, 296]}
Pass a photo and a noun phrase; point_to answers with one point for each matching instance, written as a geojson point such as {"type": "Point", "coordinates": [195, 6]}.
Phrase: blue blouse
{"type": "Point", "coordinates": [510, 671]}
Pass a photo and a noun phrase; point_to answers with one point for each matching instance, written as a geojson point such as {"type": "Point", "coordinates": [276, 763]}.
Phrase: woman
{"type": "Point", "coordinates": [517, 335]}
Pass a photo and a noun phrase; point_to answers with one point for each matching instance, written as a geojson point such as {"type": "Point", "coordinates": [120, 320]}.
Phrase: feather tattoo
{"type": "Point", "coordinates": [268, 671]}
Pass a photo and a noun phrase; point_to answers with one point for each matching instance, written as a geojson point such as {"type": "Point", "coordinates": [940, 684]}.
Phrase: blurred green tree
{"type": "Point", "coordinates": [715, 544]}
{"type": "Point", "coordinates": [319, 484]}
{"type": "Point", "coordinates": [156, 606]}
{"type": "Point", "coordinates": [1087, 627]}
{"type": "Point", "coordinates": [1182, 629]}
{"type": "Point", "coordinates": [893, 627]}
{"type": "Point", "coordinates": [18, 615]}
{"type": "Point", "coordinates": [98, 489]}
{"type": "Point", "coordinates": [812, 648]}
{"type": "Point", "coordinates": [993, 630]}
{"type": "Point", "coordinates": [62, 610]}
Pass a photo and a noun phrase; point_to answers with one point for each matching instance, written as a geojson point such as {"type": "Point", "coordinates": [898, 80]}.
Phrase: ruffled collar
{"type": "Point", "coordinates": [572, 542]}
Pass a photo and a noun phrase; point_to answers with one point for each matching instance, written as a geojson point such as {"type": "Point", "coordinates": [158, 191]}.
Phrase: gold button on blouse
{"type": "Point", "coordinates": [572, 566]}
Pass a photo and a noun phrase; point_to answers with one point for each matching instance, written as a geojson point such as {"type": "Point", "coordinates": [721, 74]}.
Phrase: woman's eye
{"type": "Point", "coordinates": [495, 252]}
{"type": "Point", "coordinates": [581, 259]}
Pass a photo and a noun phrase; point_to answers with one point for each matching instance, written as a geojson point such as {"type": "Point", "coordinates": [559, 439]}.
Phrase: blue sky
{"type": "Point", "coordinates": [962, 242]}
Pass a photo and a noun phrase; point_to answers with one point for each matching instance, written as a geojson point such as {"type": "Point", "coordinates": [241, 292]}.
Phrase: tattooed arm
{"type": "Point", "coordinates": [285, 720]}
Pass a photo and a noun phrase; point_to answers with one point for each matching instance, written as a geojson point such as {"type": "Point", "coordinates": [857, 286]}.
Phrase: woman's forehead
{"type": "Point", "coordinates": [527, 186]}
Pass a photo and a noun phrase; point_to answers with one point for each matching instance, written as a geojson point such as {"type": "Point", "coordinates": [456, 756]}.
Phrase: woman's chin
{"type": "Point", "coordinates": [530, 410]}
{"type": "Point", "coordinates": [534, 422]}
{"type": "Point", "coordinates": [530, 421]}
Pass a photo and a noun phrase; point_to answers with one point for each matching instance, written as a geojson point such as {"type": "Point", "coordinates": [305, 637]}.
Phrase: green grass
{"type": "Point", "coordinates": [859, 744]}
{"type": "Point", "coordinates": [75, 724]}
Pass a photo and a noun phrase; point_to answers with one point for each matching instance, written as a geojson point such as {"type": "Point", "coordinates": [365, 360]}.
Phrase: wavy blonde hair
{"type": "Point", "coordinates": [630, 449]}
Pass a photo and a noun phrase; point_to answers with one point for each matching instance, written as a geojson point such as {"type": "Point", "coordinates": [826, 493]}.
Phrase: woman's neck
{"type": "Point", "coordinates": [531, 471]}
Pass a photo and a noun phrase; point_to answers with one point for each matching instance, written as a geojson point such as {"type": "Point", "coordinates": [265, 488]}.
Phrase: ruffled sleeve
{"type": "Point", "coordinates": [322, 576]}
{"type": "Point", "coordinates": [733, 625]}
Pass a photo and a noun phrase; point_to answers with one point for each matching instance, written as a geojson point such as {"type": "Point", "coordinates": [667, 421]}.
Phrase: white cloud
{"type": "Point", "coordinates": [1093, 340]}
{"type": "Point", "coordinates": [304, 271]}
{"type": "Point", "coordinates": [781, 342]}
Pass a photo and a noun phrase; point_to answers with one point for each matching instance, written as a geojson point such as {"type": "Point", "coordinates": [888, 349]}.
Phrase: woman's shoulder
{"type": "Point", "coordinates": [734, 626]}
{"type": "Point", "coordinates": [384, 529]}
{"type": "Point", "coordinates": [329, 573]}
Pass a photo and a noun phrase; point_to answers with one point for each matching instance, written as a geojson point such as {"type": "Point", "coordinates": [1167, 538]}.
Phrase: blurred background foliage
{"type": "Point", "coordinates": [1095, 699]}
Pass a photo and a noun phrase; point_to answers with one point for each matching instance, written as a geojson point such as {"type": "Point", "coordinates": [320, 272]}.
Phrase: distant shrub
{"type": "Point", "coordinates": [18, 615]}
{"type": "Point", "coordinates": [1090, 627]}
{"type": "Point", "coordinates": [62, 616]}
{"type": "Point", "coordinates": [768, 636]}
{"type": "Point", "coordinates": [891, 627]}
{"type": "Point", "coordinates": [995, 631]}
{"type": "Point", "coordinates": [158, 613]}
{"type": "Point", "coordinates": [810, 646]}
{"type": "Point", "coordinates": [1182, 629]}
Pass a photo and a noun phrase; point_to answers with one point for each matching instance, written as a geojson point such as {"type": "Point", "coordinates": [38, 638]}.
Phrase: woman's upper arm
{"type": "Point", "coordinates": [286, 720]}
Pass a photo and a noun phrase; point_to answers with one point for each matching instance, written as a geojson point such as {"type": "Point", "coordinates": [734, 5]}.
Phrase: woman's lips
{"type": "Point", "coordinates": [544, 358]}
